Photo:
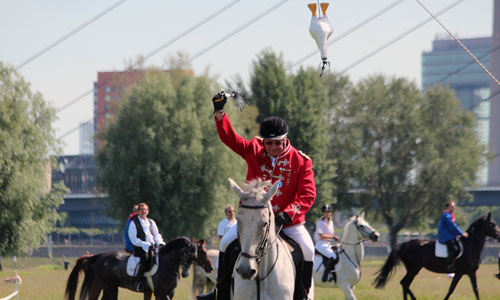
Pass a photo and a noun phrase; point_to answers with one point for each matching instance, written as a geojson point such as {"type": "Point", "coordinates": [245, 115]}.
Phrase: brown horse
{"type": "Point", "coordinates": [417, 254]}
{"type": "Point", "coordinates": [107, 271]}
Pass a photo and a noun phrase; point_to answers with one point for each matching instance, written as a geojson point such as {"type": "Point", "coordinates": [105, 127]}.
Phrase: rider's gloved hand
{"type": "Point", "coordinates": [219, 100]}
{"type": "Point", "coordinates": [282, 219]}
{"type": "Point", "coordinates": [145, 246]}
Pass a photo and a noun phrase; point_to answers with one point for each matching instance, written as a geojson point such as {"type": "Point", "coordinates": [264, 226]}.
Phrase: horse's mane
{"type": "Point", "coordinates": [256, 186]}
{"type": "Point", "coordinates": [176, 243]}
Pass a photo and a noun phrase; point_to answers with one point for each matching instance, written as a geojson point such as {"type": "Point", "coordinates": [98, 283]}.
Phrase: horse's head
{"type": "Point", "coordinates": [364, 229]}
{"type": "Point", "coordinates": [485, 225]}
{"type": "Point", "coordinates": [255, 224]}
{"type": "Point", "coordinates": [202, 258]}
{"type": "Point", "coordinates": [181, 250]}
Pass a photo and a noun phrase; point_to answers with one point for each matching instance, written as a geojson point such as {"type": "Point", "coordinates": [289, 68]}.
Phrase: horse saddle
{"type": "Point", "coordinates": [442, 251]}
{"type": "Point", "coordinates": [324, 259]}
{"type": "Point", "coordinates": [295, 250]}
{"type": "Point", "coordinates": [133, 262]}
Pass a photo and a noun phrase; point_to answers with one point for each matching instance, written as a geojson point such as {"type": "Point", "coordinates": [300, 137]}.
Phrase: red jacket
{"type": "Point", "coordinates": [297, 190]}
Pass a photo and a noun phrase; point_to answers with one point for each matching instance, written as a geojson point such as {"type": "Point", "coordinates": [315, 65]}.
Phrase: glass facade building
{"type": "Point", "coordinates": [450, 65]}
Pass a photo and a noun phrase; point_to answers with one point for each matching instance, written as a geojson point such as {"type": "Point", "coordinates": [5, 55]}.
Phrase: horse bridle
{"type": "Point", "coordinates": [358, 231]}
{"type": "Point", "coordinates": [263, 245]}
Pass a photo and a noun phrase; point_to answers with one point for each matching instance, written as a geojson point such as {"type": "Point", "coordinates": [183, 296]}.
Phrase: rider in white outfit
{"type": "Point", "coordinates": [323, 236]}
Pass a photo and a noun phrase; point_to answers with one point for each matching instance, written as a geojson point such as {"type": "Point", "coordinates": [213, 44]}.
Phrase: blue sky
{"type": "Point", "coordinates": [138, 27]}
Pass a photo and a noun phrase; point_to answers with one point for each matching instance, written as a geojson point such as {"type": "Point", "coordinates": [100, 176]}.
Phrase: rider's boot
{"type": "Point", "coordinates": [139, 285]}
{"type": "Point", "coordinates": [329, 266]}
{"type": "Point", "coordinates": [307, 278]}
{"type": "Point", "coordinates": [498, 275]}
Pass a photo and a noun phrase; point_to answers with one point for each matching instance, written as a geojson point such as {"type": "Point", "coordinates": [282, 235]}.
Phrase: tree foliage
{"type": "Point", "coordinates": [163, 149]}
{"type": "Point", "coordinates": [407, 152]}
{"type": "Point", "coordinates": [26, 153]}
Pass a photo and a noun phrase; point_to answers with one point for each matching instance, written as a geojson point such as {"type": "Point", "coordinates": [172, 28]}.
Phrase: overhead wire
{"type": "Point", "coordinates": [351, 30]}
{"type": "Point", "coordinates": [69, 34]}
{"type": "Point", "coordinates": [459, 42]}
{"type": "Point", "coordinates": [245, 25]}
{"type": "Point", "coordinates": [467, 65]}
{"type": "Point", "coordinates": [210, 47]}
{"type": "Point", "coordinates": [404, 34]}
{"type": "Point", "coordinates": [155, 51]}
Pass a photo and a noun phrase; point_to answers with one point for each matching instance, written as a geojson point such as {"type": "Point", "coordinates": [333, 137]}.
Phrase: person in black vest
{"type": "Point", "coordinates": [143, 234]}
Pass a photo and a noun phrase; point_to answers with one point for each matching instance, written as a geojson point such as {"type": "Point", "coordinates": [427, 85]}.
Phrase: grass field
{"type": "Point", "coordinates": [45, 281]}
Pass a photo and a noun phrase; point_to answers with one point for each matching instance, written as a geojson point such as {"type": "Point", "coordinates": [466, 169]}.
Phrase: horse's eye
{"type": "Point", "coordinates": [264, 225]}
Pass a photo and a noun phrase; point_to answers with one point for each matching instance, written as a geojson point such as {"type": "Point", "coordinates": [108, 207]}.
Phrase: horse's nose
{"type": "Point", "coordinates": [374, 236]}
{"type": "Point", "coordinates": [247, 274]}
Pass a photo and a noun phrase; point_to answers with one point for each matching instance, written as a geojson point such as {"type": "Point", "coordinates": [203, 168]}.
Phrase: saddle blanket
{"type": "Point", "coordinates": [442, 251]}
{"type": "Point", "coordinates": [132, 263]}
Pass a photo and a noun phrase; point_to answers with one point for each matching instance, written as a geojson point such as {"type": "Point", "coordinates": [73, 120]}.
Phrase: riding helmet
{"type": "Point", "coordinates": [326, 208]}
{"type": "Point", "coordinates": [273, 128]}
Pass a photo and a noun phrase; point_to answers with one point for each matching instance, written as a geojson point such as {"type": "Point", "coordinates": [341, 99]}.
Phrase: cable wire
{"type": "Point", "coordinates": [191, 59]}
{"type": "Point", "coordinates": [170, 42]}
{"type": "Point", "coordinates": [460, 43]}
{"type": "Point", "coordinates": [398, 37]}
{"type": "Point", "coordinates": [466, 65]}
{"type": "Point", "coordinates": [248, 23]}
{"type": "Point", "coordinates": [66, 36]}
{"type": "Point", "coordinates": [351, 30]}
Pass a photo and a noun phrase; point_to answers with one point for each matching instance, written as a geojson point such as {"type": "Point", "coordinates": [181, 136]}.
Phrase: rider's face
{"type": "Point", "coordinates": [274, 147]}
{"type": "Point", "coordinates": [143, 212]}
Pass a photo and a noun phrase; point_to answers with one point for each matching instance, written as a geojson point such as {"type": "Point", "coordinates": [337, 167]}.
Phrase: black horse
{"type": "Point", "coordinates": [417, 254]}
{"type": "Point", "coordinates": [107, 271]}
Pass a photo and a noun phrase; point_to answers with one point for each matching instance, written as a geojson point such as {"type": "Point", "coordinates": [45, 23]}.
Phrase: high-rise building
{"type": "Point", "coordinates": [450, 65]}
{"type": "Point", "coordinates": [87, 138]}
{"type": "Point", "coordinates": [494, 166]}
{"type": "Point", "coordinates": [108, 91]}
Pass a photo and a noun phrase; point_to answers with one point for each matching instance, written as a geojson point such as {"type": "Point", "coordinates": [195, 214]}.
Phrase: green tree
{"type": "Point", "coordinates": [163, 149]}
{"type": "Point", "coordinates": [303, 100]}
{"type": "Point", "coordinates": [407, 152]}
{"type": "Point", "coordinates": [26, 155]}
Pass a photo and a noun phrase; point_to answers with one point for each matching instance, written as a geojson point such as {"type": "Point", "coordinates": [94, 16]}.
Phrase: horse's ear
{"type": "Point", "coordinates": [237, 189]}
{"type": "Point", "coordinates": [362, 215]}
{"type": "Point", "coordinates": [489, 216]}
{"type": "Point", "coordinates": [269, 195]}
{"type": "Point", "coordinates": [201, 243]}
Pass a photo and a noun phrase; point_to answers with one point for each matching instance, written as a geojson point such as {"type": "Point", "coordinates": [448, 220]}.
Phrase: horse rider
{"type": "Point", "coordinates": [270, 157]}
{"type": "Point", "coordinates": [448, 231]}
{"type": "Point", "coordinates": [143, 234]}
{"type": "Point", "coordinates": [323, 235]}
{"type": "Point", "coordinates": [128, 244]}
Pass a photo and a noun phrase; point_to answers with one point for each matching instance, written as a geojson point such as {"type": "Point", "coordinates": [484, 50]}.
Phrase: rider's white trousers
{"type": "Point", "coordinates": [297, 232]}
{"type": "Point", "coordinates": [325, 248]}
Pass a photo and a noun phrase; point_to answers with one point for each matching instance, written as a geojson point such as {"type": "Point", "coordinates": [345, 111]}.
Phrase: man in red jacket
{"type": "Point", "coordinates": [271, 157]}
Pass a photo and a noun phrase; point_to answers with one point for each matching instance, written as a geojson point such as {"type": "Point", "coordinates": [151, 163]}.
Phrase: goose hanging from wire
{"type": "Point", "coordinates": [321, 29]}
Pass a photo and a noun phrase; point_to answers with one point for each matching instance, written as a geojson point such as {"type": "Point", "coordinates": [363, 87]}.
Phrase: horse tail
{"type": "Point", "coordinates": [387, 271]}
{"type": "Point", "coordinates": [89, 276]}
{"type": "Point", "coordinates": [72, 283]}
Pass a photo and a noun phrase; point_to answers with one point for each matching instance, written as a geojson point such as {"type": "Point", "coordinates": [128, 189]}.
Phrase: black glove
{"type": "Point", "coordinates": [282, 219]}
{"type": "Point", "coordinates": [219, 100]}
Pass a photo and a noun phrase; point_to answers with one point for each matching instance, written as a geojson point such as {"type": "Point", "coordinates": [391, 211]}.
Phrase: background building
{"type": "Point", "coordinates": [83, 206]}
{"type": "Point", "coordinates": [87, 138]}
{"type": "Point", "coordinates": [450, 65]}
{"type": "Point", "coordinates": [108, 91]}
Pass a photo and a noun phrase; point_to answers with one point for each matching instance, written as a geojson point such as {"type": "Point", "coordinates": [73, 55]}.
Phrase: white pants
{"type": "Point", "coordinates": [297, 232]}
{"type": "Point", "coordinates": [325, 248]}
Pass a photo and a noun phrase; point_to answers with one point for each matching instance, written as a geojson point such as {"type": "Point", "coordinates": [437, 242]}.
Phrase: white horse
{"type": "Point", "coordinates": [264, 269]}
{"type": "Point", "coordinates": [351, 253]}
